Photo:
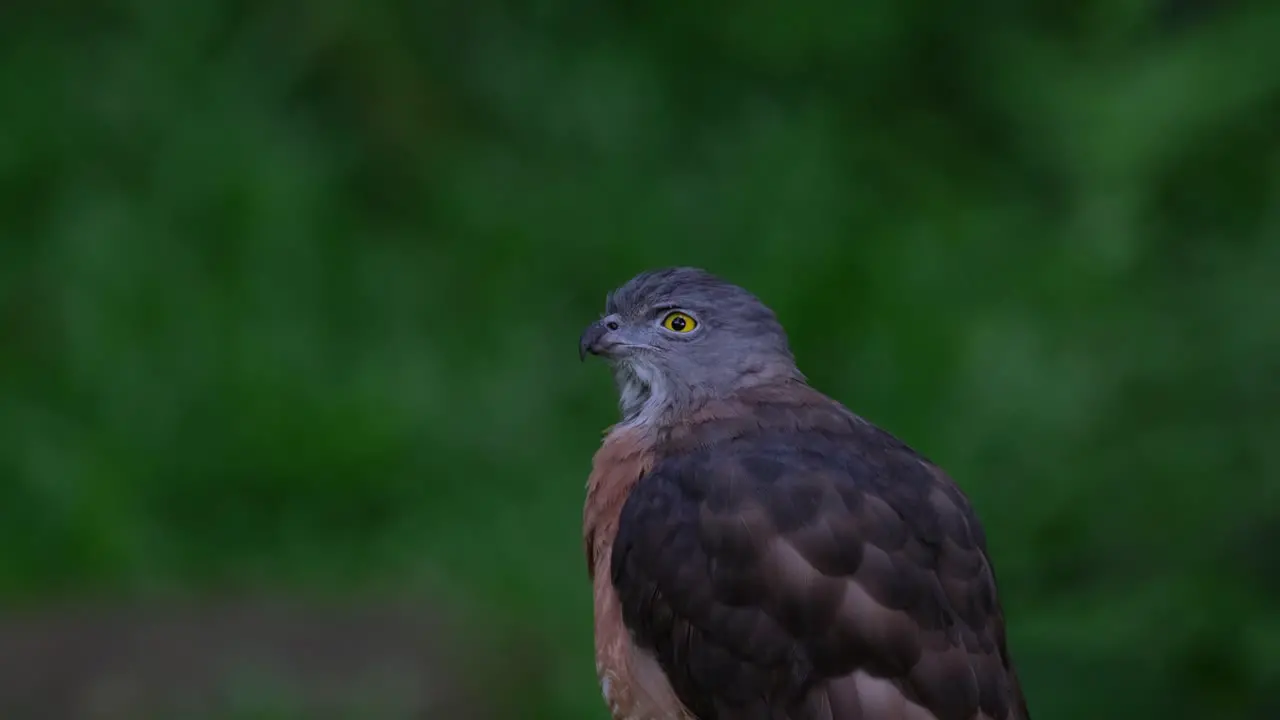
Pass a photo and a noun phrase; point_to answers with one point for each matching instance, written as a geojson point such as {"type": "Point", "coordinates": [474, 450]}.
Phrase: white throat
{"type": "Point", "coordinates": [644, 394]}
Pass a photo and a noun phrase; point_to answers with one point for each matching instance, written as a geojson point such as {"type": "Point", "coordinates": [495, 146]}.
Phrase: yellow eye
{"type": "Point", "coordinates": [679, 322]}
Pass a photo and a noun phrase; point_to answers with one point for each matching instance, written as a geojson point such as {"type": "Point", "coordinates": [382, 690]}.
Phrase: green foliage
{"type": "Point", "coordinates": [289, 295]}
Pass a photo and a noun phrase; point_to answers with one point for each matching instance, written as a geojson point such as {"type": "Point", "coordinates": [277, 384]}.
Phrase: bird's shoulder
{"type": "Point", "coordinates": [795, 458]}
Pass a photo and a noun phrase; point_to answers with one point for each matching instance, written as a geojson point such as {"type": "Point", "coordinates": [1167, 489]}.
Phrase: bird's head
{"type": "Point", "coordinates": [677, 337]}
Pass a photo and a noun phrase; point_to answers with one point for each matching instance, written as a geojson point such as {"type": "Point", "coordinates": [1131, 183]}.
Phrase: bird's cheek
{"type": "Point", "coordinates": [629, 339]}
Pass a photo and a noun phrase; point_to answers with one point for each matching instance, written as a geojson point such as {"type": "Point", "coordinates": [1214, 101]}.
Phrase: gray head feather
{"type": "Point", "coordinates": [726, 340]}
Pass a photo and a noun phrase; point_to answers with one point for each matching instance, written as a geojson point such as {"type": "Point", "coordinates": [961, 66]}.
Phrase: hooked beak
{"type": "Point", "coordinates": [593, 339]}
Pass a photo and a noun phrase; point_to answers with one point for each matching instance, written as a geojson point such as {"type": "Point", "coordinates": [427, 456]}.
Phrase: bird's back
{"type": "Point", "coordinates": [783, 558]}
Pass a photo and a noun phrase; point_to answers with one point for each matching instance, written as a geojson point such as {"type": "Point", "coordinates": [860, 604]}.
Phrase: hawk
{"type": "Point", "coordinates": [759, 552]}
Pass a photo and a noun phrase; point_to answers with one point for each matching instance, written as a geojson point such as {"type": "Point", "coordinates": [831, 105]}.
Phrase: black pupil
{"type": "Point", "coordinates": [677, 323]}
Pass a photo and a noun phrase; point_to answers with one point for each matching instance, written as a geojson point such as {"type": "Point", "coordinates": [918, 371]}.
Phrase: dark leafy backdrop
{"type": "Point", "coordinates": [289, 297]}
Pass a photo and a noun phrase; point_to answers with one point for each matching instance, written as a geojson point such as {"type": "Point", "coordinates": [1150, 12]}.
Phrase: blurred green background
{"type": "Point", "coordinates": [290, 295]}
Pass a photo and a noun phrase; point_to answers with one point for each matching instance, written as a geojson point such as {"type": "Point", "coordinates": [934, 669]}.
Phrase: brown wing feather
{"type": "Point", "coordinates": [795, 562]}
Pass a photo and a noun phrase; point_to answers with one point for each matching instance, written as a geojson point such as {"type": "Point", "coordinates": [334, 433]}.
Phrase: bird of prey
{"type": "Point", "coordinates": [759, 552]}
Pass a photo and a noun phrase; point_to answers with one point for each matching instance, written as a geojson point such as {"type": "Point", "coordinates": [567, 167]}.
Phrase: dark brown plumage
{"type": "Point", "coordinates": [760, 552]}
